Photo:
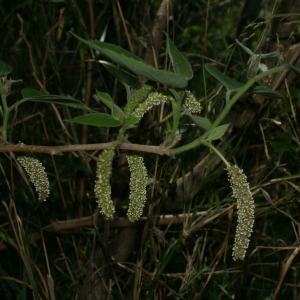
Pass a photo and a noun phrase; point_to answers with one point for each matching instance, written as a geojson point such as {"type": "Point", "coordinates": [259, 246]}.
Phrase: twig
{"type": "Point", "coordinates": [58, 150]}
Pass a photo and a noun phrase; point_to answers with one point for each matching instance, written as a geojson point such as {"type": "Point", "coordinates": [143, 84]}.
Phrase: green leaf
{"type": "Point", "coordinates": [229, 83]}
{"type": "Point", "coordinates": [266, 55]}
{"type": "Point", "coordinates": [179, 62]}
{"type": "Point", "coordinates": [30, 93]}
{"type": "Point", "coordinates": [117, 112]}
{"type": "Point", "coordinates": [201, 122]}
{"type": "Point", "coordinates": [4, 68]}
{"type": "Point", "coordinates": [295, 92]}
{"type": "Point", "coordinates": [97, 119]}
{"type": "Point", "coordinates": [8, 240]}
{"type": "Point", "coordinates": [282, 143]}
{"type": "Point", "coordinates": [131, 121]}
{"type": "Point", "coordinates": [295, 69]}
{"type": "Point", "coordinates": [217, 133]}
{"type": "Point", "coordinates": [234, 85]}
{"type": "Point", "coordinates": [34, 95]}
{"type": "Point", "coordinates": [136, 64]}
{"type": "Point", "coordinates": [122, 75]}
{"type": "Point", "coordinates": [262, 90]}
{"type": "Point", "coordinates": [244, 47]}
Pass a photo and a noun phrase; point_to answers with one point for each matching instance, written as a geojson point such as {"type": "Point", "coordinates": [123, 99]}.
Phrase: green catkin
{"type": "Point", "coordinates": [136, 98]}
{"type": "Point", "coordinates": [191, 104]}
{"type": "Point", "coordinates": [245, 206]}
{"type": "Point", "coordinates": [138, 183]}
{"type": "Point", "coordinates": [154, 98]}
{"type": "Point", "coordinates": [102, 185]}
{"type": "Point", "coordinates": [37, 175]}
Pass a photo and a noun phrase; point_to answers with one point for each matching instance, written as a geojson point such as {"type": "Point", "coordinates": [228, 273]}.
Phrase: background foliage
{"type": "Point", "coordinates": [187, 253]}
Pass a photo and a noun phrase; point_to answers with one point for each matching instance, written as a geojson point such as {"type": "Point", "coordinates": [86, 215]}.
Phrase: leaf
{"type": "Point", "coordinates": [201, 122]}
{"type": "Point", "coordinates": [179, 62]}
{"type": "Point", "coordinates": [282, 143]}
{"type": "Point", "coordinates": [266, 55]}
{"type": "Point", "coordinates": [8, 240]}
{"type": "Point", "coordinates": [34, 95]}
{"type": "Point", "coordinates": [266, 195]}
{"type": "Point", "coordinates": [117, 112]}
{"type": "Point", "coordinates": [233, 85]}
{"type": "Point", "coordinates": [295, 69]}
{"type": "Point", "coordinates": [131, 121]}
{"type": "Point", "coordinates": [262, 90]}
{"type": "Point", "coordinates": [254, 64]}
{"type": "Point", "coordinates": [244, 47]}
{"type": "Point", "coordinates": [4, 68]}
{"type": "Point", "coordinates": [30, 93]}
{"type": "Point", "coordinates": [97, 119]}
{"type": "Point", "coordinates": [217, 133]}
{"type": "Point", "coordinates": [136, 64]}
{"type": "Point", "coordinates": [230, 84]}
{"type": "Point", "coordinates": [295, 93]}
{"type": "Point", "coordinates": [122, 75]}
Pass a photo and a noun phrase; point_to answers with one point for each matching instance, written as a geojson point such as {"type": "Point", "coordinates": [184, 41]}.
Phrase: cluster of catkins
{"type": "Point", "coordinates": [138, 182]}
{"type": "Point", "coordinates": [142, 101]}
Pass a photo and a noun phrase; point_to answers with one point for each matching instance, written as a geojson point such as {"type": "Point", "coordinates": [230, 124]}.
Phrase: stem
{"type": "Point", "coordinates": [210, 145]}
{"type": "Point", "coordinates": [226, 110]}
{"type": "Point", "coordinates": [5, 119]}
{"type": "Point", "coordinates": [176, 107]}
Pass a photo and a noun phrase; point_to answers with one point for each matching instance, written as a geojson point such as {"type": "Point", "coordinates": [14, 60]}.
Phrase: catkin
{"type": "Point", "coordinates": [37, 175]}
{"type": "Point", "coordinates": [191, 103]}
{"type": "Point", "coordinates": [137, 98]}
{"type": "Point", "coordinates": [102, 185]}
{"type": "Point", "coordinates": [138, 183]}
{"type": "Point", "coordinates": [154, 98]}
{"type": "Point", "coordinates": [245, 206]}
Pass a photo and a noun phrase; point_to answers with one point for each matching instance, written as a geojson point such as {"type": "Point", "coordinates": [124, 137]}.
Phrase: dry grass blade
{"type": "Point", "coordinates": [285, 269]}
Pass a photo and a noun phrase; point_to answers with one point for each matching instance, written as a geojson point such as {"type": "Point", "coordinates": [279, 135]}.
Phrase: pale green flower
{"type": "Point", "coordinates": [245, 206]}
{"type": "Point", "coordinates": [102, 185]}
{"type": "Point", "coordinates": [154, 98]}
{"type": "Point", "coordinates": [191, 103]}
{"type": "Point", "coordinates": [138, 183]}
{"type": "Point", "coordinates": [37, 175]}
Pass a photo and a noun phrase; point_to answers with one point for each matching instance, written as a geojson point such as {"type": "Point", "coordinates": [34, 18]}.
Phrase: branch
{"type": "Point", "coordinates": [58, 150]}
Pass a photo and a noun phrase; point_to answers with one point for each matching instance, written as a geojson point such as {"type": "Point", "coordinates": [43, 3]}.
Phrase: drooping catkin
{"type": "Point", "coordinates": [37, 175]}
{"type": "Point", "coordinates": [102, 185]}
{"type": "Point", "coordinates": [245, 206]}
{"type": "Point", "coordinates": [138, 183]}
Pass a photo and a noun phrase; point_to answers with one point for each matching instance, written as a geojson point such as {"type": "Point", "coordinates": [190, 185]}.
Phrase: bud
{"type": "Point", "coordinates": [102, 185]}
{"type": "Point", "coordinates": [191, 103]}
{"type": "Point", "coordinates": [138, 183]}
{"type": "Point", "coordinates": [37, 175]}
{"type": "Point", "coordinates": [154, 98]}
{"type": "Point", "coordinates": [245, 206]}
